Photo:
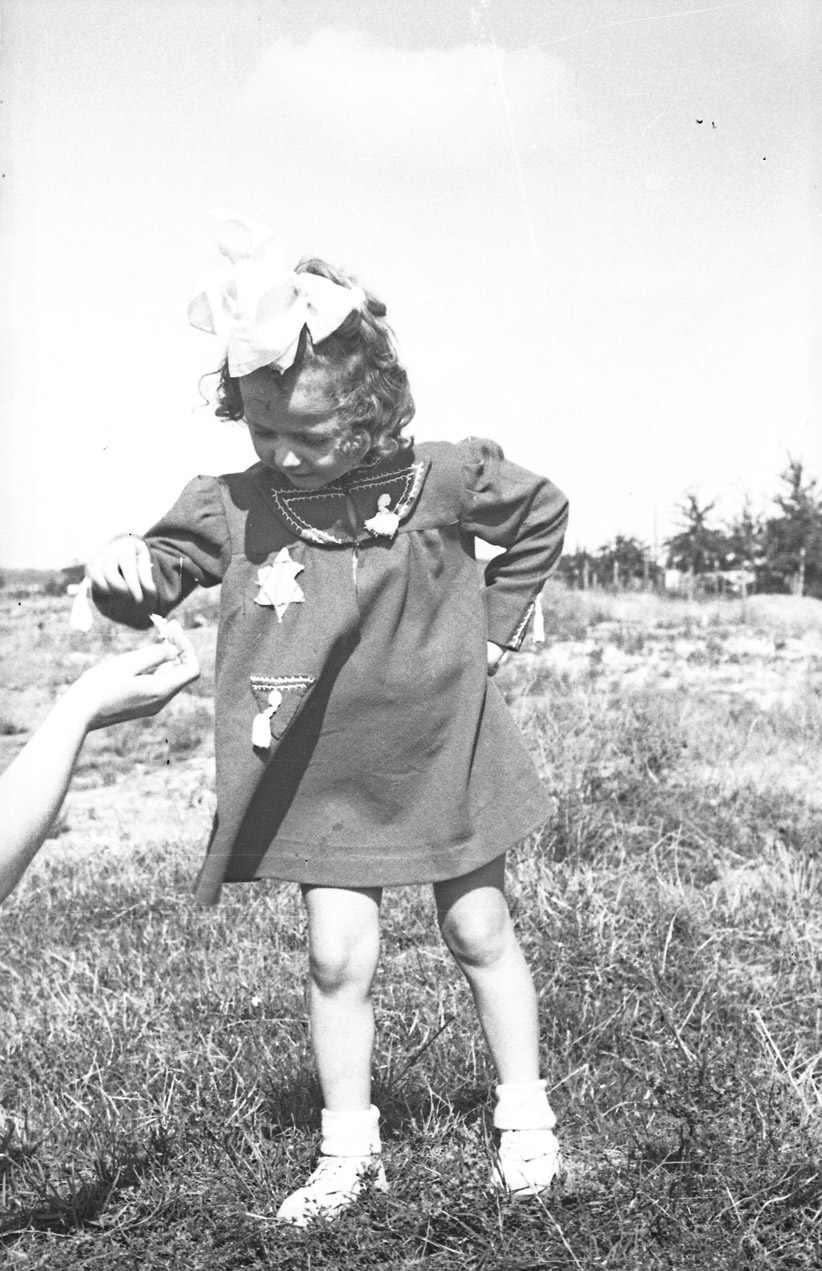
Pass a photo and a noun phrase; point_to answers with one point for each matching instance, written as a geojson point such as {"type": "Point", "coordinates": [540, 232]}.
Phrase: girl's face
{"type": "Point", "coordinates": [295, 429]}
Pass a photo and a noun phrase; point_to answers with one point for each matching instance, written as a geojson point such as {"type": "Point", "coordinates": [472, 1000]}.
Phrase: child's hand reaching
{"type": "Point", "coordinates": [138, 683]}
{"type": "Point", "coordinates": [123, 568]}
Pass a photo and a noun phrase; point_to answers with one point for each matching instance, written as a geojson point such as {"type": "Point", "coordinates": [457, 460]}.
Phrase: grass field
{"type": "Point", "coordinates": [157, 1097]}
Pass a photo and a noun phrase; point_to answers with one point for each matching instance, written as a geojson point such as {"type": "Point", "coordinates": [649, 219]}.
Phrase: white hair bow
{"type": "Point", "coordinates": [258, 306]}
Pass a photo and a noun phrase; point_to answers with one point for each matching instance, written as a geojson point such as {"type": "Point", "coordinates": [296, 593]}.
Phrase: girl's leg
{"type": "Point", "coordinates": [343, 951]}
{"type": "Point", "coordinates": [343, 945]}
{"type": "Point", "coordinates": [476, 926]}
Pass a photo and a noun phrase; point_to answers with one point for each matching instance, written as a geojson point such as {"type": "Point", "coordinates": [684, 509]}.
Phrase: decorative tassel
{"type": "Point", "coordinates": [81, 616]}
{"type": "Point", "coordinates": [261, 728]}
{"type": "Point", "coordinates": [385, 523]}
{"type": "Point", "coordinates": [538, 630]}
{"type": "Point", "coordinates": [261, 731]}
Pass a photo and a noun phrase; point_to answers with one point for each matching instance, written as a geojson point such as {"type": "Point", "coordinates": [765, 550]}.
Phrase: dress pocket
{"type": "Point", "coordinates": [278, 699]}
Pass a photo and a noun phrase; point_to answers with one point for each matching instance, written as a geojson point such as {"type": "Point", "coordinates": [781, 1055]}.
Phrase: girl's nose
{"type": "Point", "coordinates": [285, 459]}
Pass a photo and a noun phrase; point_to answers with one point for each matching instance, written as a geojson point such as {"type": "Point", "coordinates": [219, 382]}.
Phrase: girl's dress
{"type": "Point", "coordinates": [359, 740]}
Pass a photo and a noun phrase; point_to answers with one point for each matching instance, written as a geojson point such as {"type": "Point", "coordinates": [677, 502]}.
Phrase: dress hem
{"type": "Point", "coordinates": [294, 871]}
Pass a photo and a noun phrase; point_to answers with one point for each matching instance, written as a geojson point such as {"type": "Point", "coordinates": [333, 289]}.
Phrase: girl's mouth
{"type": "Point", "coordinates": [289, 474]}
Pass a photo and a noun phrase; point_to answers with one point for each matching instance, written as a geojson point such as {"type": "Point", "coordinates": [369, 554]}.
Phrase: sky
{"type": "Point", "coordinates": [595, 224]}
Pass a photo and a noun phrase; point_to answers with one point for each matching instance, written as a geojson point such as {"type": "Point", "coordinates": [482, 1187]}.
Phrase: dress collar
{"type": "Point", "coordinates": [325, 516]}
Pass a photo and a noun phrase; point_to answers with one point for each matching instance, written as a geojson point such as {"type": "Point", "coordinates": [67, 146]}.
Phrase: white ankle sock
{"type": "Point", "coordinates": [351, 1133]}
{"type": "Point", "coordinates": [523, 1105]}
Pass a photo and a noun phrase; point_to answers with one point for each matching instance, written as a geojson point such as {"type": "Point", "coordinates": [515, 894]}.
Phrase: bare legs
{"type": "Point", "coordinates": [343, 925]}
{"type": "Point", "coordinates": [343, 942]}
{"type": "Point", "coordinates": [476, 926]}
{"type": "Point", "coordinates": [343, 949]}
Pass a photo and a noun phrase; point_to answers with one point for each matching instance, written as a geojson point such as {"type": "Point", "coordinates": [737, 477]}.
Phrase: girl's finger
{"type": "Point", "coordinates": [144, 570]}
{"type": "Point", "coordinates": [100, 576]}
{"type": "Point", "coordinates": [129, 569]}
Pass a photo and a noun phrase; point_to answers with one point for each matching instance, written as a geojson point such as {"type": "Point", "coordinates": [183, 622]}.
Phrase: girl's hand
{"type": "Point", "coordinates": [137, 683]}
{"type": "Point", "coordinates": [496, 655]}
{"type": "Point", "coordinates": [123, 568]}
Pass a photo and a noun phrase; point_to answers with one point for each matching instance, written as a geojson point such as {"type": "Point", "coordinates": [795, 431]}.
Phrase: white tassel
{"type": "Point", "coordinates": [261, 728]}
{"type": "Point", "coordinates": [538, 631]}
{"type": "Point", "coordinates": [81, 616]}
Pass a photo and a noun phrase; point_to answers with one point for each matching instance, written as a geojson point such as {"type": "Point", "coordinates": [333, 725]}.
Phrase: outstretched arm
{"type": "Point", "coordinates": [33, 787]}
{"type": "Point", "coordinates": [189, 547]}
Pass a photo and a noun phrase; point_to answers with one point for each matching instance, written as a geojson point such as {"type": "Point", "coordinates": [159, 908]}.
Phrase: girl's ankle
{"type": "Point", "coordinates": [523, 1105]}
{"type": "Point", "coordinates": [351, 1133]}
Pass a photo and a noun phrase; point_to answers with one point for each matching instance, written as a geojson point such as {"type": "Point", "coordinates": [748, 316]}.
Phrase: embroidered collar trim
{"type": "Point", "coordinates": [319, 516]}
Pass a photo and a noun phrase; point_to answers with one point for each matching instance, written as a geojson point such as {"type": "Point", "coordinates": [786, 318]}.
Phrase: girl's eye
{"type": "Point", "coordinates": [300, 441]}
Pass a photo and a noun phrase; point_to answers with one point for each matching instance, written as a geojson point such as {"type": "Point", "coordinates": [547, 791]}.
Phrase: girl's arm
{"type": "Point", "coordinates": [33, 787]}
{"type": "Point", "coordinates": [188, 547]}
{"type": "Point", "coordinates": [525, 514]}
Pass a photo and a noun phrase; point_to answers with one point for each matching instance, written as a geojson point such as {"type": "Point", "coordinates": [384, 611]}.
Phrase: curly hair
{"type": "Point", "coordinates": [371, 386]}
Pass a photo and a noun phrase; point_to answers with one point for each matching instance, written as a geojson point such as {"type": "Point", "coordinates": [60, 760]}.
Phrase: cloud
{"type": "Point", "coordinates": [343, 96]}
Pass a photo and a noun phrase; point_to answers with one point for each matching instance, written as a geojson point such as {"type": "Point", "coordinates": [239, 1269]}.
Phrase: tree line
{"type": "Point", "coordinates": [775, 551]}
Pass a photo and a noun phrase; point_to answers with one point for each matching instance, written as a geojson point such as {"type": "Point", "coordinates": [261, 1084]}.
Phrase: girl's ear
{"type": "Point", "coordinates": [357, 443]}
{"type": "Point", "coordinates": [363, 440]}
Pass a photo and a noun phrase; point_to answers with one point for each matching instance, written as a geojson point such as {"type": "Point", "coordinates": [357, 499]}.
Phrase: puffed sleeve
{"type": "Point", "coordinates": [190, 547]}
{"type": "Point", "coordinates": [526, 514]}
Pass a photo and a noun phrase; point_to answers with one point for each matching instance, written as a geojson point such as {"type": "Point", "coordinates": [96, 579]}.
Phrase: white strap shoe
{"type": "Point", "coordinates": [527, 1162]}
{"type": "Point", "coordinates": [335, 1184]}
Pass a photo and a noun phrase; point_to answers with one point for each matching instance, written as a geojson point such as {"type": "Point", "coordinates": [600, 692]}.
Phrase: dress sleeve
{"type": "Point", "coordinates": [512, 508]}
{"type": "Point", "coordinates": [190, 547]}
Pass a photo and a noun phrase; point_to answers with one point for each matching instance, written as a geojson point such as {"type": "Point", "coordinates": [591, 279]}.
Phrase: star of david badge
{"type": "Point", "coordinates": [278, 583]}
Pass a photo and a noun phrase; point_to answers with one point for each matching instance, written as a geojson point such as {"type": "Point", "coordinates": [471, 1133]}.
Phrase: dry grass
{"type": "Point", "coordinates": [156, 1081]}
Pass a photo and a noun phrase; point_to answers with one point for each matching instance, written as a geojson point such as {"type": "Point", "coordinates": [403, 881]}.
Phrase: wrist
{"type": "Point", "coordinates": [76, 708]}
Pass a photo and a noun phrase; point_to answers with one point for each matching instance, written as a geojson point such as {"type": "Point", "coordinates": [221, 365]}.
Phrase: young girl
{"type": "Point", "coordinates": [360, 743]}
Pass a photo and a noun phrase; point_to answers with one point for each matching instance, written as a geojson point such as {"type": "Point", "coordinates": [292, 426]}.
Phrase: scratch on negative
{"type": "Point", "coordinates": [653, 121]}
{"type": "Point", "coordinates": [651, 17]}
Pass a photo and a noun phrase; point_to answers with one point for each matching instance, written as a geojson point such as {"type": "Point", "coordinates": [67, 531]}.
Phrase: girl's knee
{"type": "Point", "coordinates": [343, 936]}
{"type": "Point", "coordinates": [477, 935]}
{"type": "Point", "coordinates": [347, 961]}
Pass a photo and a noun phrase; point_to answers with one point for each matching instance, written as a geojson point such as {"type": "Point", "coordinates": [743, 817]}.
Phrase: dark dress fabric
{"type": "Point", "coordinates": [393, 758]}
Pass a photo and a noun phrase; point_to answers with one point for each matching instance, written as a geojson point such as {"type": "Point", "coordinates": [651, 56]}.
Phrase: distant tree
{"type": "Point", "coordinates": [699, 547]}
{"type": "Point", "coordinates": [53, 584]}
{"type": "Point", "coordinates": [624, 561]}
{"type": "Point", "coordinates": [73, 573]}
{"type": "Point", "coordinates": [578, 569]}
{"type": "Point", "coordinates": [793, 538]}
{"type": "Point", "coordinates": [745, 542]}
